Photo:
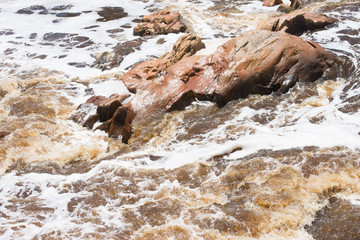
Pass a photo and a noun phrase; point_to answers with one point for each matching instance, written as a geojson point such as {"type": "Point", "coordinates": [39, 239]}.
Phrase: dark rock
{"type": "Point", "coordinates": [44, 12]}
{"type": "Point", "coordinates": [111, 13]}
{"type": "Point", "coordinates": [339, 220]}
{"type": "Point", "coordinates": [91, 27]}
{"type": "Point", "coordinates": [78, 64]}
{"type": "Point", "coordinates": [7, 32]}
{"type": "Point", "coordinates": [4, 134]}
{"type": "Point", "coordinates": [108, 107]}
{"type": "Point", "coordinates": [297, 22]}
{"type": "Point", "coordinates": [61, 7]}
{"type": "Point", "coordinates": [25, 11]}
{"type": "Point", "coordinates": [54, 36]}
{"type": "Point", "coordinates": [89, 123]}
{"type": "Point", "coordinates": [68, 14]}
{"type": "Point", "coordinates": [163, 22]}
{"type": "Point", "coordinates": [37, 7]}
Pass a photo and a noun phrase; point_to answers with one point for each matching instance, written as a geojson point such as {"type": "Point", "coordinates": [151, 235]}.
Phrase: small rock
{"type": "Point", "coordinates": [25, 11]}
{"type": "Point", "coordinates": [297, 22]}
{"type": "Point", "coordinates": [163, 22]}
{"type": "Point", "coordinates": [111, 13]}
{"type": "Point", "coordinates": [4, 134]}
{"type": "Point", "coordinates": [61, 7]}
{"type": "Point", "coordinates": [68, 14]}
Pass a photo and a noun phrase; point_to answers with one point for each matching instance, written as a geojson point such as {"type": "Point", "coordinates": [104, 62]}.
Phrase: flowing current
{"type": "Point", "coordinates": [264, 167]}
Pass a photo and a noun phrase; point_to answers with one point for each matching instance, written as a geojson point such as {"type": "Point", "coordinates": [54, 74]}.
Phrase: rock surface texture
{"type": "Point", "coordinates": [297, 22]}
{"type": "Point", "coordinates": [257, 62]}
{"type": "Point", "coordinates": [163, 22]}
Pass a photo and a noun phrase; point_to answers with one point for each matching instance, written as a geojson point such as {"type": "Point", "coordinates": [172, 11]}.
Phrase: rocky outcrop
{"type": "Point", "coordinates": [163, 22]}
{"type": "Point", "coordinates": [296, 22]}
{"type": "Point", "coordinates": [257, 62]}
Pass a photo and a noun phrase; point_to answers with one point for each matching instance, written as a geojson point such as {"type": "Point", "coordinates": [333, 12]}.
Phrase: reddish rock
{"type": "Point", "coordinates": [4, 134]}
{"type": "Point", "coordinates": [271, 3]}
{"type": "Point", "coordinates": [259, 62]}
{"type": "Point", "coordinates": [297, 22]}
{"type": "Point", "coordinates": [96, 100]}
{"type": "Point", "coordinates": [163, 22]}
{"type": "Point", "coordinates": [108, 107]}
{"type": "Point", "coordinates": [89, 122]}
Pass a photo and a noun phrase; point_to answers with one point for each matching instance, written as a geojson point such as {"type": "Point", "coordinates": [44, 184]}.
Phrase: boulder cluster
{"type": "Point", "coordinates": [272, 58]}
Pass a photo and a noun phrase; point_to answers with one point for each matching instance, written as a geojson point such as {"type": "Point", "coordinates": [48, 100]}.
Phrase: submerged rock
{"type": "Point", "coordinates": [338, 220]}
{"type": "Point", "coordinates": [163, 22]}
{"type": "Point", "coordinates": [297, 22]}
{"type": "Point", "coordinates": [111, 13]}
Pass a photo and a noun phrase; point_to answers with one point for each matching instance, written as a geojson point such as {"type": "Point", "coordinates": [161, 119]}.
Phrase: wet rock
{"type": "Point", "coordinates": [4, 134]}
{"type": "Point", "coordinates": [92, 26]}
{"type": "Point", "coordinates": [259, 62]}
{"type": "Point", "coordinates": [54, 36]}
{"type": "Point", "coordinates": [338, 220]}
{"type": "Point", "coordinates": [37, 7]}
{"type": "Point", "coordinates": [89, 122]}
{"type": "Point", "coordinates": [61, 7]}
{"type": "Point", "coordinates": [111, 13]}
{"type": "Point", "coordinates": [78, 64]}
{"type": "Point", "coordinates": [24, 11]}
{"type": "Point", "coordinates": [44, 12]}
{"type": "Point", "coordinates": [106, 111]}
{"type": "Point", "coordinates": [109, 60]}
{"type": "Point", "coordinates": [271, 3]}
{"type": "Point", "coordinates": [7, 32]}
{"type": "Point", "coordinates": [297, 22]}
{"type": "Point", "coordinates": [163, 22]}
{"type": "Point", "coordinates": [108, 107]}
{"type": "Point", "coordinates": [68, 14]}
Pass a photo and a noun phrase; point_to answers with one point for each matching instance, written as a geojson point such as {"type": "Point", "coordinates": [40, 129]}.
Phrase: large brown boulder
{"type": "Point", "coordinates": [258, 62]}
{"type": "Point", "coordinates": [163, 22]}
{"type": "Point", "coordinates": [296, 22]}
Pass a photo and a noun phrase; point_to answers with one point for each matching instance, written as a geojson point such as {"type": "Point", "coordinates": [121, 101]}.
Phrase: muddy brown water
{"type": "Point", "coordinates": [61, 181]}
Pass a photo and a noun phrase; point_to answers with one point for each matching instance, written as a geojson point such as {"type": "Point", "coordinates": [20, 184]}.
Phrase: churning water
{"type": "Point", "coordinates": [264, 167]}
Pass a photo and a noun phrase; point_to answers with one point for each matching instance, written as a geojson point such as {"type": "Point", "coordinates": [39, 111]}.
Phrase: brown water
{"type": "Point", "coordinates": [264, 167]}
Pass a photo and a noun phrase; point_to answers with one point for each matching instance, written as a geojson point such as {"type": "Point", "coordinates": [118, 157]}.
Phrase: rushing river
{"type": "Point", "coordinates": [264, 167]}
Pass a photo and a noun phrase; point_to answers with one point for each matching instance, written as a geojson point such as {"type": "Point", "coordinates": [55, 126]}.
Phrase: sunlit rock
{"type": "Point", "coordinates": [163, 22]}
{"type": "Point", "coordinates": [297, 22]}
